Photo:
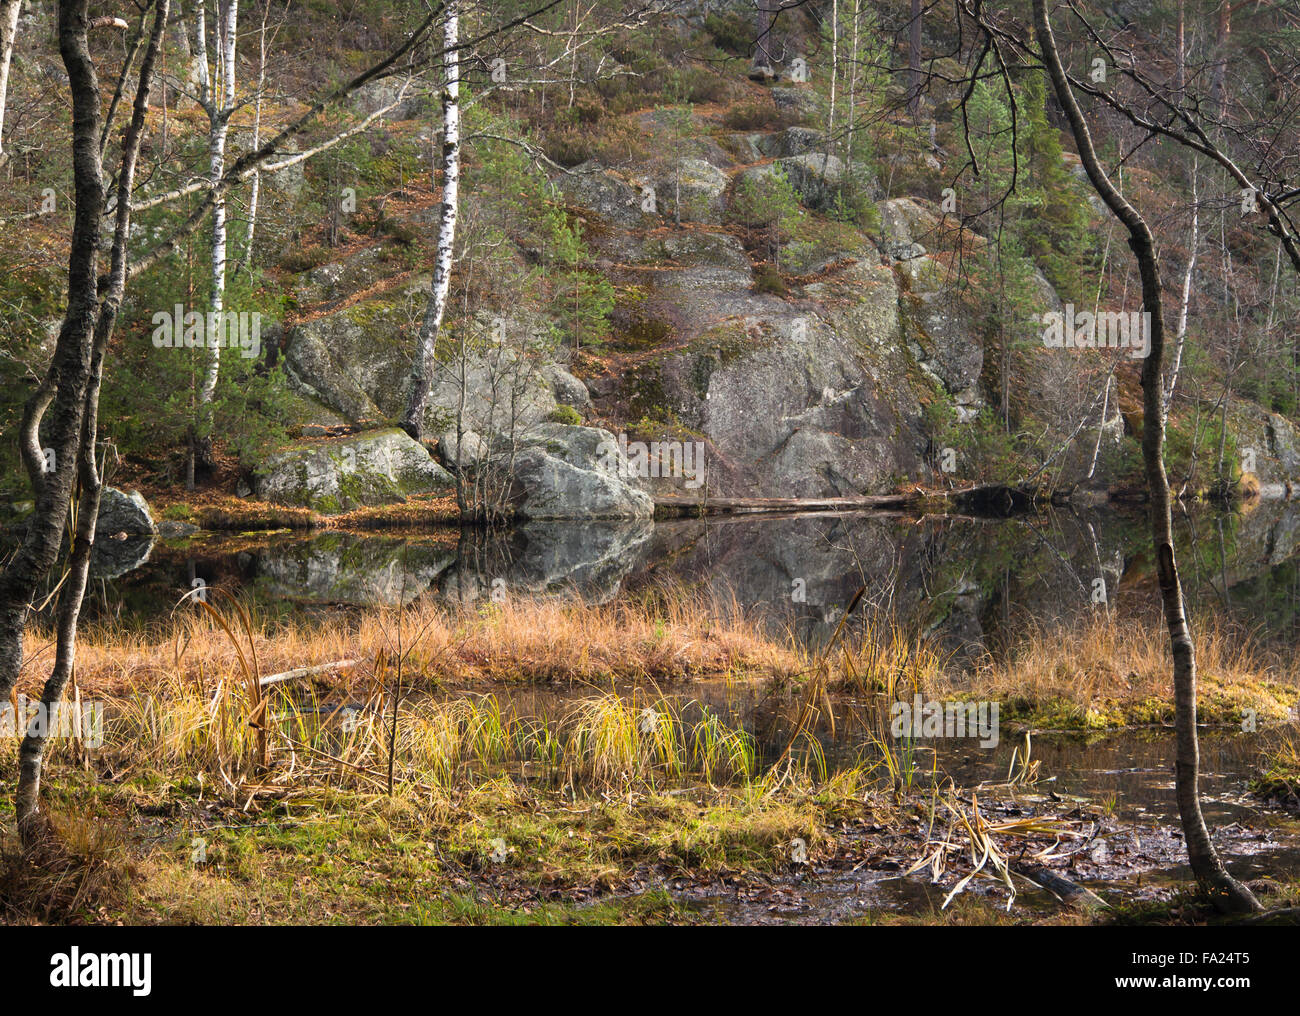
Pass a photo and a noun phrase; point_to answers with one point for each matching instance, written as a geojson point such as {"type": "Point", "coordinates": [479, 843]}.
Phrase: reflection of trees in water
{"type": "Point", "coordinates": [972, 585]}
{"type": "Point", "coordinates": [483, 554]}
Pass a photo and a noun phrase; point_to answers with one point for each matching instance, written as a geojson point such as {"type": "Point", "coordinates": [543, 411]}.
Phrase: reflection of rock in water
{"type": "Point", "coordinates": [344, 568]}
{"type": "Point", "coordinates": [124, 534]}
{"type": "Point", "coordinates": [972, 585]}
{"type": "Point", "coordinates": [112, 557]}
{"type": "Point", "coordinates": [589, 560]}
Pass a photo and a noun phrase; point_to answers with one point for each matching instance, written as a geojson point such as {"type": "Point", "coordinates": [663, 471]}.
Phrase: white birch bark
{"type": "Point", "coordinates": [221, 103]}
{"type": "Point", "coordinates": [256, 190]}
{"type": "Point", "coordinates": [422, 367]}
{"type": "Point", "coordinates": [8, 32]}
{"type": "Point", "coordinates": [1181, 336]}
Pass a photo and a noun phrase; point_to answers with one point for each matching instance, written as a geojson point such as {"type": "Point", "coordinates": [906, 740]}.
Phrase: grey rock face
{"type": "Point", "coordinates": [339, 279]}
{"type": "Point", "coordinates": [505, 393]}
{"type": "Point", "coordinates": [120, 512]}
{"type": "Point", "coordinates": [469, 450]}
{"type": "Point", "coordinates": [794, 400]}
{"type": "Point", "coordinates": [796, 103]}
{"type": "Point", "coordinates": [907, 227]}
{"type": "Point", "coordinates": [1268, 442]}
{"type": "Point", "coordinates": [566, 472]}
{"type": "Point", "coordinates": [376, 95]}
{"type": "Point", "coordinates": [816, 176]}
{"type": "Point", "coordinates": [818, 179]}
{"type": "Point", "coordinates": [354, 362]}
{"type": "Point", "coordinates": [1283, 445]}
{"type": "Point", "coordinates": [791, 141]}
{"type": "Point", "coordinates": [693, 249]}
{"type": "Point", "coordinates": [700, 185]}
{"type": "Point", "coordinates": [603, 192]}
{"type": "Point", "coordinates": [942, 338]}
{"type": "Point", "coordinates": [340, 474]}
{"type": "Point", "coordinates": [567, 389]}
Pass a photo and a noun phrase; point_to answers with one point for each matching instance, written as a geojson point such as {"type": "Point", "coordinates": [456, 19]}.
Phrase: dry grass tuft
{"type": "Point", "coordinates": [523, 640]}
{"type": "Point", "coordinates": [75, 869]}
{"type": "Point", "coordinates": [1115, 670]}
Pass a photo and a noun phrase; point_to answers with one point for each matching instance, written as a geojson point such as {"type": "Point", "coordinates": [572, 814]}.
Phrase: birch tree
{"type": "Point", "coordinates": [217, 98]}
{"type": "Point", "coordinates": [67, 398]}
{"type": "Point", "coordinates": [256, 189]}
{"type": "Point", "coordinates": [916, 80]}
{"type": "Point", "coordinates": [1227, 893]}
{"type": "Point", "coordinates": [9, 10]}
{"type": "Point", "coordinates": [423, 365]}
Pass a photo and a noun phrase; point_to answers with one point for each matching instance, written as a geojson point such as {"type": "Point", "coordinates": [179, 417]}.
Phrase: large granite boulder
{"type": "Point", "coordinates": [700, 185]}
{"type": "Point", "coordinates": [816, 177]}
{"type": "Point", "coordinates": [908, 228]}
{"type": "Point", "coordinates": [567, 472]}
{"type": "Point", "coordinates": [122, 513]}
{"type": "Point", "coordinates": [354, 362]}
{"type": "Point", "coordinates": [792, 399]}
{"type": "Point", "coordinates": [603, 192]}
{"type": "Point", "coordinates": [800, 104]}
{"type": "Point", "coordinates": [340, 474]}
{"type": "Point", "coordinates": [791, 141]}
{"type": "Point", "coordinates": [124, 533]}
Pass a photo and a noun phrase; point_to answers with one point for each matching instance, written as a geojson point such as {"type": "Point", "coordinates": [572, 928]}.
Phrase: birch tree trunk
{"type": "Point", "coordinates": [835, 74]}
{"type": "Point", "coordinates": [1226, 892]}
{"type": "Point", "coordinates": [423, 365]}
{"type": "Point", "coordinates": [219, 104]}
{"type": "Point", "coordinates": [255, 191]}
{"type": "Point", "coordinates": [71, 391]}
{"type": "Point", "coordinates": [854, 57]}
{"type": "Point", "coordinates": [1180, 339]}
{"type": "Point", "coordinates": [8, 32]}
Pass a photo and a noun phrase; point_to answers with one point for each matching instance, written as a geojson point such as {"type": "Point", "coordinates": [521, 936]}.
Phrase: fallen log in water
{"type": "Point", "coordinates": [1069, 893]}
{"type": "Point", "coordinates": [987, 499]}
{"type": "Point", "coordinates": [293, 675]}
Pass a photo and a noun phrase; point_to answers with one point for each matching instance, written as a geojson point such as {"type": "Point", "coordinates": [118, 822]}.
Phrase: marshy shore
{"type": "Point", "coordinates": [554, 762]}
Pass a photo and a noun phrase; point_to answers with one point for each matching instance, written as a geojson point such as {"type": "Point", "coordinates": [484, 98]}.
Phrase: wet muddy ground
{"type": "Point", "coordinates": [1112, 795]}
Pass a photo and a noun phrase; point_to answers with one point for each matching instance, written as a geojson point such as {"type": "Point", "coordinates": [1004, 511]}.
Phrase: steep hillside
{"type": "Point", "coordinates": [731, 281]}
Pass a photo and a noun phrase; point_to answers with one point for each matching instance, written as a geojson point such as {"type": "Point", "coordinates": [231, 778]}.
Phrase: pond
{"type": "Point", "coordinates": [972, 585]}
